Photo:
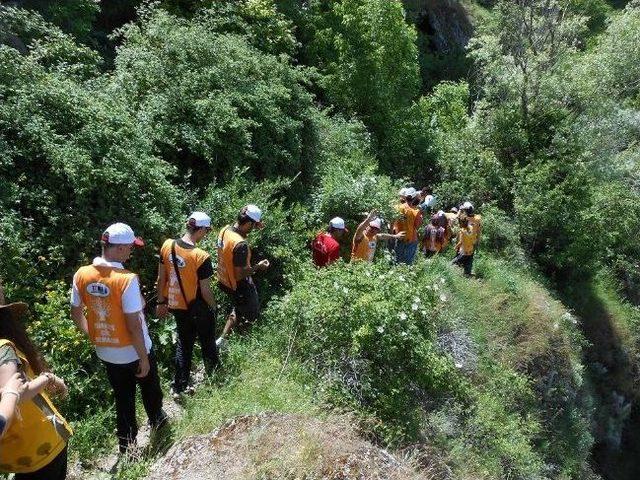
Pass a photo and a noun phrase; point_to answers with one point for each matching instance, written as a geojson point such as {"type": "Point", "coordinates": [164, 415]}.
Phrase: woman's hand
{"type": "Point", "coordinates": [16, 383]}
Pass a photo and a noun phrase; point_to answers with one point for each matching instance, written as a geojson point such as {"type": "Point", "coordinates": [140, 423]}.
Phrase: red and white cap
{"type": "Point", "coordinates": [254, 213]}
{"type": "Point", "coordinates": [199, 219]}
{"type": "Point", "coordinates": [121, 234]}
{"type": "Point", "coordinates": [376, 223]}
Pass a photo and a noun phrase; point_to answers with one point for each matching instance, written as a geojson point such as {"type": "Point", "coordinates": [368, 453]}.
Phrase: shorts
{"type": "Point", "coordinates": [246, 303]}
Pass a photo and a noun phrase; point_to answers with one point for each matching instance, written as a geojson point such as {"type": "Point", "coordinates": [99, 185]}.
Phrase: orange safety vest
{"type": "Point", "coordinates": [37, 434]}
{"type": "Point", "coordinates": [227, 241]}
{"type": "Point", "coordinates": [365, 249]}
{"type": "Point", "coordinates": [407, 222]}
{"type": "Point", "coordinates": [467, 240]}
{"type": "Point", "coordinates": [475, 221]}
{"type": "Point", "coordinates": [101, 288]}
{"type": "Point", "coordinates": [189, 261]}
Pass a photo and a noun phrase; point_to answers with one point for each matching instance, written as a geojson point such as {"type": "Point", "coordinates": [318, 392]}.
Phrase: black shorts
{"type": "Point", "coordinates": [246, 303]}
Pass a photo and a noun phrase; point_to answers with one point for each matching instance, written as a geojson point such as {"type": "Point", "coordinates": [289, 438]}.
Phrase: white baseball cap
{"type": "Point", "coordinates": [121, 234]}
{"type": "Point", "coordinates": [466, 206]}
{"type": "Point", "coordinates": [403, 192]}
{"type": "Point", "coordinates": [411, 192]}
{"type": "Point", "coordinates": [338, 223]}
{"type": "Point", "coordinates": [254, 213]}
{"type": "Point", "coordinates": [429, 200]}
{"type": "Point", "coordinates": [199, 219]}
{"type": "Point", "coordinates": [376, 223]}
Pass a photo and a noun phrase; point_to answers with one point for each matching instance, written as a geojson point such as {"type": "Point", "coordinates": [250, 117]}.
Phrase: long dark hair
{"type": "Point", "coordinates": [12, 329]}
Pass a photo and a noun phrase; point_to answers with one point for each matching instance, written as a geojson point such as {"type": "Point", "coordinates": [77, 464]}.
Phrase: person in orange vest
{"type": "Point", "coordinates": [184, 289]}
{"type": "Point", "coordinates": [33, 444]}
{"type": "Point", "coordinates": [367, 236]}
{"type": "Point", "coordinates": [465, 246]}
{"type": "Point", "coordinates": [326, 245]}
{"type": "Point", "coordinates": [434, 236]}
{"type": "Point", "coordinates": [474, 219]}
{"type": "Point", "coordinates": [115, 324]}
{"type": "Point", "coordinates": [408, 221]}
{"type": "Point", "coordinates": [235, 271]}
{"type": "Point", "coordinates": [451, 229]}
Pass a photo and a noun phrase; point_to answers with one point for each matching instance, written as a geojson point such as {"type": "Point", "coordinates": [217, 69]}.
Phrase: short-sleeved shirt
{"type": "Point", "coordinates": [131, 302]}
{"type": "Point", "coordinates": [8, 354]}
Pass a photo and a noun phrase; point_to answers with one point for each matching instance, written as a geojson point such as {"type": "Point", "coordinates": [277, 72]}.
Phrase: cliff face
{"type": "Point", "coordinates": [446, 23]}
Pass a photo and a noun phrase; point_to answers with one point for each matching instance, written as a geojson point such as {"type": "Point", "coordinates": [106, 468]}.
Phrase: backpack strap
{"type": "Point", "coordinates": [177, 270]}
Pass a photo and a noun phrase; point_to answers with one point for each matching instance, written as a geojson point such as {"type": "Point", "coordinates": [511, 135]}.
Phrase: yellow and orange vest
{"type": "Point", "coordinates": [189, 261]}
{"type": "Point", "coordinates": [406, 222]}
{"type": "Point", "coordinates": [467, 240]}
{"type": "Point", "coordinates": [227, 241]}
{"type": "Point", "coordinates": [101, 288]}
{"type": "Point", "coordinates": [37, 433]}
{"type": "Point", "coordinates": [365, 249]}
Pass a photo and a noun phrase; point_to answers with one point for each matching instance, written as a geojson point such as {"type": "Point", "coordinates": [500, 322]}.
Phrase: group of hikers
{"type": "Point", "coordinates": [107, 306]}
{"type": "Point", "coordinates": [406, 236]}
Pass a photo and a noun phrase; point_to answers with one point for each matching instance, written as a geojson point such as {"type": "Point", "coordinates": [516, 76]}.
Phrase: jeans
{"type": "Point", "coordinates": [406, 252]}
{"type": "Point", "coordinates": [55, 470]}
{"type": "Point", "coordinates": [198, 322]}
{"type": "Point", "coordinates": [123, 380]}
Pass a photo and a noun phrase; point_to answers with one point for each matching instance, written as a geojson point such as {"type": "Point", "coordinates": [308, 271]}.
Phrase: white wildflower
{"type": "Point", "coordinates": [435, 287]}
{"type": "Point", "coordinates": [403, 316]}
{"type": "Point", "coordinates": [441, 280]}
{"type": "Point", "coordinates": [414, 307]}
{"type": "Point", "coordinates": [380, 329]}
{"type": "Point", "coordinates": [443, 297]}
{"type": "Point", "coordinates": [416, 299]}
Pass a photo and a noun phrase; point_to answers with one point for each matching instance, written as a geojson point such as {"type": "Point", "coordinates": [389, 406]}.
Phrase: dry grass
{"type": "Point", "coordinates": [284, 447]}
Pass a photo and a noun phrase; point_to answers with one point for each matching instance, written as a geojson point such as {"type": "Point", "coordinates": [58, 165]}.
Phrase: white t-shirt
{"type": "Point", "coordinates": [131, 302]}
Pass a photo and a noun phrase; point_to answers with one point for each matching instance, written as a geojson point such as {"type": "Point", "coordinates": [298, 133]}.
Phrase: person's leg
{"type": "Point", "coordinates": [401, 251]}
{"type": "Point", "coordinates": [55, 470]}
{"type": "Point", "coordinates": [184, 349]}
{"type": "Point", "coordinates": [468, 264]}
{"type": "Point", "coordinates": [152, 394]}
{"type": "Point", "coordinates": [247, 307]}
{"type": "Point", "coordinates": [412, 249]}
{"type": "Point", "coordinates": [123, 381]}
{"type": "Point", "coordinates": [205, 322]}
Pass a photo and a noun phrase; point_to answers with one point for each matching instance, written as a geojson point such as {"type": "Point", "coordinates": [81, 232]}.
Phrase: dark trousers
{"type": "Point", "coordinates": [464, 261]}
{"type": "Point", "coordinates": [123, 380]}
{"type": "Point", "coordinates": [198, 321]}
{"type": "Point", "coordinates": [55, 470]}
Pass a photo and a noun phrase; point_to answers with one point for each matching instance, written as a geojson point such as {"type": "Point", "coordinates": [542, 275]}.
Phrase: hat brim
{"type": "Point", "coordinates": [138, 242]}
{"type": "Point", "coordinates": [16, 308]}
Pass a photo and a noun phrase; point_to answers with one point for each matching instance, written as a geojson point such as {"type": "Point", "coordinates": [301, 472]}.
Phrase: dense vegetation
{"type": "Point", "coordinates": [140, 112]}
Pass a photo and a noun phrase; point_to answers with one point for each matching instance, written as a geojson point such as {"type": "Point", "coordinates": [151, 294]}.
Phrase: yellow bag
{"type": "Point", "coordinates": [37, 434]}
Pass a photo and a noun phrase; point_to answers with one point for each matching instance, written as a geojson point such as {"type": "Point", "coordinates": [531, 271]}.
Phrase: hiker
{"type": "Point", "coordinates": [465, 246]}
{"type": "Point", "coordinates": [434, 236]}
{"type": "Point", "coordinates": [326, 245]}
{"type": "Point", "coordinates": [474, 219]}
{"type": "Point", "coordinates": [115, 324]}
{"type": "Point", "coordinates": [34, 445]}
{"type": "Point", "coordinates": [409, 219]}
{"type": "Point", "coordinates": [235, 270]}
{"type": "Point", "coordinates": [452, 226]}
{"type": "Point", "coordinates": [184, 289]}
{"type": "Point", "coordinates": [367, 237]}
{"type": "Point", "coordinates": [427, 200]}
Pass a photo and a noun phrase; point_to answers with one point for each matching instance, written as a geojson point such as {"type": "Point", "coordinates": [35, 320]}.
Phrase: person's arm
{"type": "Point", "coordinates": [162, 308]}
{"type": "Point", "coordinates": [241, 269]}
{"type": "Point", "coordinates": [207, 293]}
{"type": "Point", "coordinates": [35, 386]}
{"type": "Point", "coordinates": [359, 233]}
{"type": "Point", "coordinates": [134, 328]}
{"type": "Point", "coordinates": [77, 309]}
{"type": "Point", "coordinates": [10, 395]}
{"type": "Point", "coordinates": [390, 236]}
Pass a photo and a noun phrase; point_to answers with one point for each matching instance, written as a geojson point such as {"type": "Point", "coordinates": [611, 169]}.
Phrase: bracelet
{"type": "Point", "coordinates": [8, 391]}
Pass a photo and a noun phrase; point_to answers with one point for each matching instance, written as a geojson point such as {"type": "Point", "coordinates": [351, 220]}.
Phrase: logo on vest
{"type": "Point", "coordinates": [98, 289]}
{"type": "Point", "coordinates": [180, 261]}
